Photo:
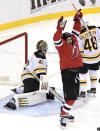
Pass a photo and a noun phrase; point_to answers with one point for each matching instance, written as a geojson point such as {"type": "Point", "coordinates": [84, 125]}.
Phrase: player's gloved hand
{"type": "Point", "coordinates": [61, 23]}
{"type": "Point", "coordinates": [78, 15]}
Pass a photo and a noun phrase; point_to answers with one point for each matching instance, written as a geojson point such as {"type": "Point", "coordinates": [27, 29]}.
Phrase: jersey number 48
{"type": "Point", "coordinates": [90, 44]}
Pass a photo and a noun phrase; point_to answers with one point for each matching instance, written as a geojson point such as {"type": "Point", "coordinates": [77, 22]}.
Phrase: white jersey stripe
{"type": "Point", "coordinates": [58, 43]}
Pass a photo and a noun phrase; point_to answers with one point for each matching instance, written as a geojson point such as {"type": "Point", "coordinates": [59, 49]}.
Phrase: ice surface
{"type": "Point", "coordinates": [87, 116]}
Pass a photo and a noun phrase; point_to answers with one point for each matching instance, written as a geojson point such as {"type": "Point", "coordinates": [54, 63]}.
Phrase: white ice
{"type": "Point", "coordinates": [87, 117]}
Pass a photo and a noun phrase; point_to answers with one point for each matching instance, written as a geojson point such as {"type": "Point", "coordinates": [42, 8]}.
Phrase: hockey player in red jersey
{"type": "Point", "coordinates": [70, 63]}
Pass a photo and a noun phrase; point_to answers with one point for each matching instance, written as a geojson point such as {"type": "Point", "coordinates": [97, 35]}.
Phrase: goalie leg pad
{"type": "Point", "coordinates": [29, 99]}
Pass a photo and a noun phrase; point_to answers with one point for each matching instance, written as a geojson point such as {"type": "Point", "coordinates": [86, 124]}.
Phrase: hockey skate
{"type": "Point", "coordinates": [11, 104]}
{"type": "Point", "coordinates": [91, 92]}
{"type": "Point", "coordinates": [82, 94]}
{"type": "Point", "coordinates": [64, 118]}
{"type": "Point", "coordinates": [63, 121]}
{"type": "Point", "coordinates": [71, 118]}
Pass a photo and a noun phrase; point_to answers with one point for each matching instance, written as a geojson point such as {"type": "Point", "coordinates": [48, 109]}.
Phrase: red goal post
{"type": "Point", "coordinates": [16, 37]}
{"type": "Point", "coordinates": [9, 50]}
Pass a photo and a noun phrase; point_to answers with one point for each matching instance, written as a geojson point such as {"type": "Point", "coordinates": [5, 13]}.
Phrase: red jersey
{"type": "Point", "coordinates": [70, 56]}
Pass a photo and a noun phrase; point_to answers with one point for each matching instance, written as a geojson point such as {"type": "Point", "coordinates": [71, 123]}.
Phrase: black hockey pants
{"type": "Point", "coordinates": [30, 85]}
{"type": "Point", "coordinates": [70, 84]}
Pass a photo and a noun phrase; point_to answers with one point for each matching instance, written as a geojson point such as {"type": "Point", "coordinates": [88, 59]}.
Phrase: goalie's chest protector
{"type": "Point", "coordinates": [36, 66]}
{"type": "Point", "coordinates": [70, 56]}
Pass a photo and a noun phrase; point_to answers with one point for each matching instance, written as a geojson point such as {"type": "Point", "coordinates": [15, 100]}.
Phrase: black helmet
{"type": "Point", "coordinates": [66, 35]}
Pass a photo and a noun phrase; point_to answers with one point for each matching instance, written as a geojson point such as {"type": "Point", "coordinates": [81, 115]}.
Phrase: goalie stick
{"type": "Point", "coordinates": [50, 89]}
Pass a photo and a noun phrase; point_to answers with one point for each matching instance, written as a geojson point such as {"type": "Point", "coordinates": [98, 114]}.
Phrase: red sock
{"type": "Point", "coordinates": [64, 113]}
{"type": "Point", "coordinates": [68, 103]}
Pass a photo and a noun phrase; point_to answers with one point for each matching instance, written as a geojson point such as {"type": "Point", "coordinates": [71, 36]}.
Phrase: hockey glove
{"type": "Point", "coordinates": [61, 23]}
{"type": "Point", "coordinates": [78, 15]}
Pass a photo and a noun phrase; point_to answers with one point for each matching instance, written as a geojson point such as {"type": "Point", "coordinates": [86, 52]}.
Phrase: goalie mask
{"type": "Point", "coordinates": [42, 46]}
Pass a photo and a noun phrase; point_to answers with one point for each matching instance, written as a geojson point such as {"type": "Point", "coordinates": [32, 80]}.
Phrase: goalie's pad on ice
{"type": "Point", "coordinates": [29, 99]}
{"type": "Point", "coordinates": [26, 99]}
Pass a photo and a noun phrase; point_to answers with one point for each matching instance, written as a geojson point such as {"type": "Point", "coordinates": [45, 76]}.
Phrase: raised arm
{"type": "Point", "coordinates": [77, 22]}
{"type": "Point", "coordinates": [58, 34]}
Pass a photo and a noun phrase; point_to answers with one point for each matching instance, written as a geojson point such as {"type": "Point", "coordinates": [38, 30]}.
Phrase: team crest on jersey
{"type": "Point", "coordinates": [75, 52]}
{"type": "Point", "coordinates": [40, 62]}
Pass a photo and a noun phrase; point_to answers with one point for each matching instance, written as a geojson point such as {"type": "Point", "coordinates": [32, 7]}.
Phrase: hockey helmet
{"type": "Point", "coordinates": [66, 35]}
{"type": "Point", "coordinates": [42, 46]}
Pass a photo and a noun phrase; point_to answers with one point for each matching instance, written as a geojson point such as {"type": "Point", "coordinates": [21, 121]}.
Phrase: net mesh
{"type": "Point", "coordinates": [13, 56]}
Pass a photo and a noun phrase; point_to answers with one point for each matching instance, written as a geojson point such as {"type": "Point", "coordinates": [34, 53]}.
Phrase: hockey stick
{"type": "Point", "coordinates": [81, 18]}
{"type": "Point", "coordinates": [50, 89]}
{"type": "Point", "coordinates": [77, 10]}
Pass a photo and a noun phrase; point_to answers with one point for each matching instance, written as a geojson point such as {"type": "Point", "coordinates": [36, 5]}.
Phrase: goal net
{"type": "Point", "coordinates": [13, 56]}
